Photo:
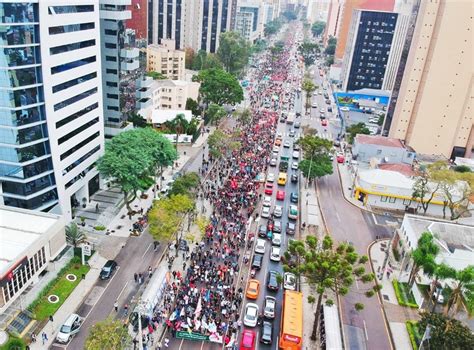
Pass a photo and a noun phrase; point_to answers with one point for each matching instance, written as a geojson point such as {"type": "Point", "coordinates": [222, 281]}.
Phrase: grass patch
{"type": "Point", "coordinates": [404, 295]}
{"type": "Point", "coordinates": [14, 344]}
{"type": "Point", "coordinates": [60, 286]}
{"type": "Point", "coordinates": [396, 253]}
{"type": "Point", "coordinates": [414, 334]}
{"type": "Point", "coordinates": [99, 228]}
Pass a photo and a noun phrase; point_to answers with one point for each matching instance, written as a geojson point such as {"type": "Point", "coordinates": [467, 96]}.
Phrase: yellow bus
{"type": "Point", "coordinates": [282, 179]}
{"type": "Point", "coordinates": [291, 328]}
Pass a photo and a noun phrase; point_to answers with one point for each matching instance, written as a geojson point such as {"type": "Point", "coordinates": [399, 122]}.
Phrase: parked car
{"type": "Point", "coordinates": [294, 197]}
{"type": "Point", "coordinates": [278, 211]}
{"type": "Point", "coordinates": [340, 157]}
{"type": "Point", "coordinates": [296, 154]}
{"type": "Point", "coordinates": [277, 226]}
{"type": "Point", "coordinates": [273, 162]}
{"type": "Point", "coordinates": [272, 281]}
{"type": "Point", "coordinates": [260, 246]}
{"type": "Point", "coordinates": [253, 289]}
{"type": "Point", "coordinates": [280, 195]}
{"type": "Point", "coordinates": [267, 333]}
{"type": "Point", "coordinates": [294, 178]}
{"type": "Point", "coordinates": [294, 165]}
{"type": "Point", "coordinates": [265, 212]}
{"type": "Point", "coordinates": [108, 270]}
{"type": "Point", "coordinates": [275, 254]}
{"type": "Point", "coordinates": [271, 177]}
{"type": "Point", "coordinates": [269, 307]}
{"type": "Point", "coordinates": [248, 340]}
{"type": "Point", "coordinates": [262, 231]}
{"type": "Point", "coordinates": [251, 315]}
{"type": "Point", "coordinates": [286, 144]}
{"type": "Point", "coordinates": [289, 281]}
{"type": "Point", "coordinates": [257, 261]}
{"type": "Point", "coordinates": [276, 240]}
{"type": "Point", "coordinates": [69, 328]}
{"type": "Point", "coordinates": [269, 188]}
{"type": "Point", "coordinates": [290, 228]}
{"type": "Point", "coordinates": [267, 201]}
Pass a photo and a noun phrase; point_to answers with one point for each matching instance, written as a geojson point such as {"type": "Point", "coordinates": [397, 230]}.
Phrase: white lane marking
{"type": "Point", "coordinates": [122, 290]}
{"type": "Point", "coordinates": [180, 345]}
{"type": "Point", "coordinates": [357, 283]}
{"type": "Point", "coordinates": [202, 345]}
{"type": "Point", "coordinates": [365, 330]}
{"type": "Point", "coordinates": [375, 219]}
{"type": "Point", "coordinates": [337, 217]}
{"type": "Point", "coordinates": [146, 251]}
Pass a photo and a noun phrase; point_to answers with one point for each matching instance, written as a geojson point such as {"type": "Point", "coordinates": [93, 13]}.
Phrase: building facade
{"type": "Point", "coordinates": [139, 19]}
{"type": "Point", "coordinates": [333, 20]}
{"type": "Point", "coordinates": [51, 116]}
{"type": "Point", "coordinates": [388, 150]}
{"type": "Point", "coordinates": [167, 18]}
{"type": "Point", "coordinates": [368, 49]}
{"type": "Point", "coordinates": [165, 59]}
{"type": "Point", "coordinates": [249, 21]}
{"type": "Point", "coordinates": [433, 110]}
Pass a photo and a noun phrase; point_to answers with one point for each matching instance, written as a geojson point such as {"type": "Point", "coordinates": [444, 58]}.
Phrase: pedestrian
{"type": "Point", "coordinates": [135, 276]}
{"type": "Point", "coordinates": [116, 306]}
{"type": "Point", "coordinates": [44, 337]}
{"type": "Point", "coordinates": [150, 271]}
{"type": "Point", "coordinates": [167, 341]}
{"type": "Point", "coordinates": [97, 208]}
{"type": "Point", "coordinates": [33, 337]}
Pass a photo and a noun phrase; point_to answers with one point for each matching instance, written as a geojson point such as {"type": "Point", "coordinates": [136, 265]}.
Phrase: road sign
{"type": "Point", "coordinates": [86, 249]}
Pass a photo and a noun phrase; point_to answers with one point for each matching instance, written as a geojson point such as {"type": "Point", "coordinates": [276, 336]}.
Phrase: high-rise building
{"type": "Point", "coordinates": [433, 110]}
{"type": "Point", "coordinates": [51, 117]}
{"type": "Point", "coordinates": [119, 58]}
{"type": "Point", "coordinates": [165, 59]}
{"type": "Point", "coordinates": [333, 20]}
{"type": "Point", "coordinates": [249, 21]}
{"type": "Point", "coordinates": [344, 22]}
{"type": "Point", "coordinates": [167, 19]}
{"type": "Point", "coordinates": [368, 50]}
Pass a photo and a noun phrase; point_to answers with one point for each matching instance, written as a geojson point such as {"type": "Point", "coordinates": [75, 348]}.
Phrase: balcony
{"type": "Point", "coordinates": [130, 65]}
{"type": "Point", "coordinates": [143, 93]}
{"type": "Point", "coordinates": [145, 82]}
{"type": "Point", "coordinates": [129, 53]}
{"type": "Point", "coordinates": [116, 15]}
{"type": "Point", "coordinates": [143, 103]}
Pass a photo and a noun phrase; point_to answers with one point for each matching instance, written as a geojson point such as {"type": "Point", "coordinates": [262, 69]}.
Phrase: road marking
{"type": "Point", "coordinates": [146, 251]}
{"type": "Point", "coordinates": [375, 219]}
{"type": "Point", "coordinates": [357, 283]}
{"type": "Point", "coordinates": [202, 344]}
{"type": "Point", "coordinates": [365, 330]}
{"type": "Point", "coordinates": [122, 290]}
{"type": "Point", "coordinates": [337, 216]}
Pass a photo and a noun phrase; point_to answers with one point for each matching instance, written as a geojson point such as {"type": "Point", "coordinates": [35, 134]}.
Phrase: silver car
{"type": "Point", "coordinates": [269, 307]}
{"type": "Point", "coordinates": [278, 211]}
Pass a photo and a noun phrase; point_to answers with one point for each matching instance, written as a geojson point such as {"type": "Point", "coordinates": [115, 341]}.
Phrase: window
{"type": "Point", "coordinates": [58, 10]}
{"type": "Point", "coordinates": [110, 32]}
{"type": "Point", "coordinates": [73, 64]}
{"type": "Point", "coordinates": [112, 108]}
{"type": "Point", "coordinates": [111, 58]}
{"type": "Point", "coordinates": [383, 198]}
{"type": "Point", "coordinates": [113, 96]}
{"type": "Point", "coordinates": [76, 115]}
{"type": "Point", "coordinates": [392, 199]}
{"type": "Point", "coordinates": [111, 71]}
{"type": "Point", "coordinates": [71, 28]}
{"type": "Point", "coordinates": [71, 47]}
{"type": "Point", "coordinates": [110, 46]}
{"type": "Point", "coordinates": [73, 82]}
{"type": "Point", "coordinates": [74, 99]}
{"type": "Point", "coordinates": [80, 160]}
{"type": "Point", "coordinates": [406, 202]}
{"type": "Point", "coordinates": [79, 145]}
{"type": "Point", "coordinates": [111, 84]}
{"type": "Point", "coordinates": [77, 131]}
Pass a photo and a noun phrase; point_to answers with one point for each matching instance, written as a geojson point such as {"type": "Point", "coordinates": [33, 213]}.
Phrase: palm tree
{"type": "Point", "coordinates": [74, 234]}
{"type": "Point", "coordinates": [179, 125]}
{"type": "Point", "coordinates": [308, 87]}
{"type": "Point", "coordinates": [423, 256]}
{"type": "Point", "coordinates": [463, 286]}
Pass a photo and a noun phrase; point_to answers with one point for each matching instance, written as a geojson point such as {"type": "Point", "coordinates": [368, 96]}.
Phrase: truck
{"type": "Point", "coordinates": [291, 118]}
{"type": "Point", "coordinates": [283, 166]}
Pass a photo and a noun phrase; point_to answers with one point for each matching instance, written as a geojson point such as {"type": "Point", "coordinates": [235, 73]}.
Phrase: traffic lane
{"type": "Point", "coordinates": [121, 285]}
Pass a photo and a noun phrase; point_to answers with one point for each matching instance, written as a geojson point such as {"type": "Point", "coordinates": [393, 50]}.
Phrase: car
{"type": "Point", "coordinates": [262, 231]}
{"type": "Point", "coordinates": [108, 270]}
{"type": "Point", "coordinates": [260, 246]}
{"type": "Point", "coordinates": [329, 109]}
{"type": "Point", "coordinates": [294, 178]}
{"type": "Point", "coordinates": [328, 101]}
{"type": "Point", "coordinates": [296, 147]}
{"type": "Point", "coordinates": [265, 212]}
{"type": "Point", "coordinates": [277, 226]}
{"type": "Point", "coordinates": [294, 165]}
{"type": "Point", "coordinates": [280, 195]}
{"type": "Point", "coordinates": [251, 315]}
{"type": "Point", "coordinates": [290, 228]}
{"type": "Point", "coordinates": [275, 254]}
{"type": "Point", "coordinates": [267, 201]}
{"type": "Point", "coordinates": [270, 225]}
{"type": "Point", "coordinates": [248, 340]}
{"type": "Point", "coordinates": [286, 144]}
{"type": "Point", "coordinates": [271, 177]}
{"type": "Point", "coordinates": [298, 114]}
{"type": "Point", "coordinates": [322, 110]}
{"type": "Point", "coordinates": [273, 162]}
{"type": "Point", "coordinates": [340, 157]}
{"type": "Point", "coordinates": [324, 122]}
{"type": "Point", "coordinates": [296, 154]}
{"type": "Point", "coordinates": [331, 156]}
{"type": "Point", "coordinates": [289, 281]}
{"type": "Point", "coordinates": [293, 212]}
{"type": "Point", "coordinates": [278, 211]}
{"type": "Point", "coordinates": [297, 125]}
{"type": "Point", "coordinates": [272, 281]}
{"type": "Point", "coordinates": [294, 197]}
{"type": "Point", "coordinates": [292, 133]}
{"type": "Point", "coordinates": [314, 105]}
{"type": "Point", "coordinates": [269, 307]}
{"type": "Point", "coordinates": [267, 333]}
{"type": "Point", "coordinates": [276, 240]}
{"type": "Point", "coordinates": [69, 328]}
{"type": "Point", "coordinates": [257, 261]}
{"type": "Point", "coordinates": [253, 289]}
{"type": "Point", "coordinates": [438, 295]}
{"type": "Point", "coordinates": [276, 149]}
{"type": "Point", "coordinates": [269, 188]}
{"type": "Point", "coordinates": [345, 109]}
{"type": "Point", "coordinates": [279, 135]}
{"type": "Point", "coordinates": [277, 142]}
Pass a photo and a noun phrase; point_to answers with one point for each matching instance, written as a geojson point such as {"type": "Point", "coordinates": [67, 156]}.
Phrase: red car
{"type": "Point", "coordinates": [248, 340]}
{"type": "Point", "coordinates": [324, 122]}
{"type": "Point", "coordinates": [340, 158]}
{"type": "Point", "coordinates": [269, 188]}
{"type": "Point", "coordinates": [280, 195]}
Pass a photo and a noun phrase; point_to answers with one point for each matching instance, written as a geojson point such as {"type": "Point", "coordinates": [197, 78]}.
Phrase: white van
{"type": "Point", "coordinates": [69, 328]}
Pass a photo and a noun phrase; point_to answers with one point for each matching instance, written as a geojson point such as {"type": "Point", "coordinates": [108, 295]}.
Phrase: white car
{"type": "Point", "coordinates": [279, 135]}
{"type": "Point", "coordinates": [322, 110]}
{"type": "Point", "coordinates": [276, 240]}
{"type": "Point", "coordinates": [260, 246]}
{"type": "Point", "coordinates": [289, 281]}
{"type": "Point", "coordinates": [275, 254]}
{"type": "Point", "coordinates": [267, 201]}
{"type": "Point", "coordinates": [314, 105]}
{"type": "Point", "coordinates": [296, 154]}
{"type": "Point", "coordinates": [269, 307]}
{"type": "Point", "coordinates": [251, 315]}
{"type": "Point", "coordinates": [286, 144]}
{"type": "Point", "coordinates": [69, 328]}
{"type": "Point", "coordinates": [276, 149]}
{"type": "Point", "coordinates": [278, 211]}
{"type": "Point", "coordinates": [345, 109]}
{"type": "Point", "coordinates": [294, 165]}
{"type": "Point", "coordinates": [265, 212]}
{"type": "Point", "coordinates": [271, 177]}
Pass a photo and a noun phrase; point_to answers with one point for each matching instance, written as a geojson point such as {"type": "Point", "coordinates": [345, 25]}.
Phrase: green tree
{"type": "Point", "coordinates": [178, 125]}
{"type": "Point", "coordinates": [462, 169]}
{"type": "Point", "coordinates": [219, 143]}
{"type": "Point", "coordinates": [219, 87]}
{"type": "Point", "coordinates": [108, 334]}
{"type": "Point", "coordinates": [318, 28]}
{"type": "Point", "coordinates": [137, 120]}
{"type": "Point", "coordinates": [244, 116]}
{"type": "Point", "coordinates": [316, 168]}
{"type": "Point", "coordinates": [193, 106]}
{"type": "Point", "coordinates": [423, 256]}
{"type": "Point", "coordinates": [463, 287]}
{"type": "Point", "coordinates": [163, 223]}
{"type": "Point", "coordinates": [330, 50]}
{"type": "Point", "coordinates": [308, 86]}
{"type": "Point", "coordinates": [314, 146]}
{"type": "Point", "coordinates": [332, 41]}
{"type": "Point", "coordinates": [233, 51]}
{"type": "Point", "coordinates": [74, 235]}
{"type": "Point", "coordinates": [355, 129]}
{"type": "Point", "coordinates": [215, 113]}
{"type": "Point", "coordinates": [445, 333]}
{"type": "Point", "coordinates": [199, 60]}
{"type": "Point", "coordinates": [325, 267]}
{"type": "Point", "coordinates": [272, 27]}
{"type": "Point", "coordinates": [309, 51]}
{"type": "Point", "coordinates": [329, 60]}
{"type": "Point", "coordinates": [156, 75]}
{"type": "Point", "coordinates": [185, 184]}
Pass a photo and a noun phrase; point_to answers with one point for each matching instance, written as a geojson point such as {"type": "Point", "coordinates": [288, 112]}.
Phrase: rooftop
{"type": "Point", "coordinates": [378, 140]}
{"type": "Point", "coordinates": [404, 169]}
{"type": "Point", "coordinates": [19, 228]}
{"type": "Point", "coordinates": [387, 178]}
{"type": "Point", "coordinates": [160, 116]}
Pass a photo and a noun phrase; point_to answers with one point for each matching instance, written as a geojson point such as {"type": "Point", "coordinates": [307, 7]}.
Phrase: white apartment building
{"type": "Point", "coordinates": [118, 60]}
{"type": "Point", "coordinates": [165, 59]}
{"type": "Point", "coordinates": [249, 21]}
{"type": "Point", "coordinates": [51, 116]}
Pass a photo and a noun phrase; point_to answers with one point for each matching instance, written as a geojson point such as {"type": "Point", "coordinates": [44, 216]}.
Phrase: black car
{"type": "Point", "coordinates": [294, 178]}
{"type": "Point", "coordinates": [267, 333]}
{"type": "Point", "coordinates": [257, 261]}
{"type": "Point", "coordinates": [298, 114]}
{"type": "Point", "coordinates": [329, 109]}
{"type": "Point", "coordinates": [290, 228]}
{"type": "Point", "coordinates": [108, 270]}
{"type": "Point", "coordinates": [262, 231]}
{"type": "Point", "coordinates": [272, 281]}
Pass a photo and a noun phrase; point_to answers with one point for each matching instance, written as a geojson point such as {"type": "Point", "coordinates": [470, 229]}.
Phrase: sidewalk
{"type": "Point", "coordinates": [347, 176]}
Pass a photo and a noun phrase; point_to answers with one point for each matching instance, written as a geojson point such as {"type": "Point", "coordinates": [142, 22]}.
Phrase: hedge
{"type": "Point", "coordinates": [413, 333]}
{"type": "Point", "coordinates": [13, 344]}
{"type": "Point", "coordinates": [403, 295]}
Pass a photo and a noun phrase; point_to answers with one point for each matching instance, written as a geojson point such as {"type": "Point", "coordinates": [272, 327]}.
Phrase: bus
{"type": "Point", "coordinates": [282, 179]}
{"type": "Point", "coordinates": [291, 118]}
{"type": "Point", "coordinates": [291, 328]}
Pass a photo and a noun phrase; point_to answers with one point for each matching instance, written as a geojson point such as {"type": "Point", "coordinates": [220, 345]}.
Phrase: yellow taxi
{"type": "Point", "coordinates": [253, 289]}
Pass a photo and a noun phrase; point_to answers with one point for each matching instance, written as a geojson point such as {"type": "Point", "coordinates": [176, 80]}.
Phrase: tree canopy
{"type": "Point", "coordinates": [220, 143]}
{"type": "Point", "coordinates": [193, 106]}
{"type": "Point", "coordinates": [108, 334]}
{"type": "Point", "coordinates": [137, 120]}
{"type": "Point", "coordinates": [214, 113]}
{"type": "Point", "coordinates": [272, 27]}
{"type": "Point", "coordinates": [354, 129]}
{"type": "Point", "coordinates": [318, 27]}
{"type": "Point", "coordinates": [314, 146]}
{"type": "Point", "coordinates": [185, 184]}
{"type": "Point", "coordinates": [219, 87]}
{"type": "Point", "coordinates": [233, 51]}
{"type": "Point", "coordinates": [312, 169]}
{"type": "Point", "coordinates": [309, 52]}
{"type": "Point", "coordinates": [74, 235]}
{"type": "Point", "coordinates": [179, 125]}
{"type": "Point", "coordinates": [423, 256]}
{"type": "Point", "coordinates": [156, 75]}
{"type": "Point", "coordinates": [203, 60]}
